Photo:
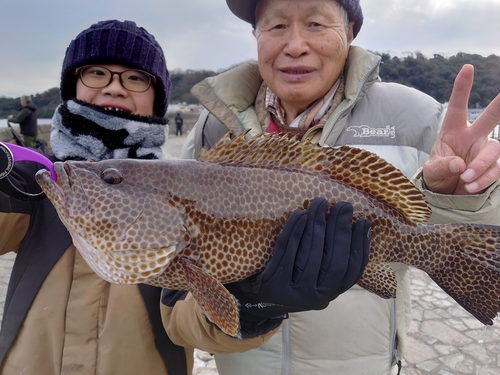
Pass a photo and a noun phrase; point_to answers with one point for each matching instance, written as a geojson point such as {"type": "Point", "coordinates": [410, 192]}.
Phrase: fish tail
{"type": "Point", "coordinates": [468, 268]}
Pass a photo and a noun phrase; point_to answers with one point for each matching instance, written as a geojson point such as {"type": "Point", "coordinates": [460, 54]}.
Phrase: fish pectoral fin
{"type": "Point", "coordinates": [379, 278]}
{"type": "Point", "coordinates": [218, 305]}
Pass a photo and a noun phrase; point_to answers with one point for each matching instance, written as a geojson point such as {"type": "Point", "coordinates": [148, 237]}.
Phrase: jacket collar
{"type": "Point", "coordinates": [229, 96]}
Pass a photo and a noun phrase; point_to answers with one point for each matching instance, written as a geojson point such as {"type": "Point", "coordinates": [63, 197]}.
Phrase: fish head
{"type": "Point", "coordinates": [120, 215]}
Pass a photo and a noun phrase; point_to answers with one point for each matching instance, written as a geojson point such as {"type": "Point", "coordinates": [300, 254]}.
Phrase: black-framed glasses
{"type": "Point", "coordinates": [98, 77]}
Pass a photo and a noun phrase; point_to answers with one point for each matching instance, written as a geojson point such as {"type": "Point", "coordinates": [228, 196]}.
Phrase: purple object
{"type": "Point", "coordinates": [23, 153]}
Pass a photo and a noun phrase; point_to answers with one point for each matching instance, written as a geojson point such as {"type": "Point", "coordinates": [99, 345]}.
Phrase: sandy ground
{"type": "Point", "coordinates": [173, 146]}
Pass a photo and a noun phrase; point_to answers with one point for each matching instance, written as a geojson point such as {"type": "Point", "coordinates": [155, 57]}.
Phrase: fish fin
{"type": "Point", "coordinates": [218, 305]}
{"type": "Point", "coordinates": [379, 278]}
{"type": "Point", "coordinates": [355, 167]}
{"type": "Point", "coordinates": [468, 268]}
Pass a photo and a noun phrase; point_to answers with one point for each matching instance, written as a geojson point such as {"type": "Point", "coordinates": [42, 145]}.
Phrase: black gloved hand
{"type": "Point", "coordinates": [316, 258]}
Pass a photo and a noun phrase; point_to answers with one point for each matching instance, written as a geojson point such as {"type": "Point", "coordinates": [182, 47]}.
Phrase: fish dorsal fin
{"type": "Point", "coordinates": [355, 167]}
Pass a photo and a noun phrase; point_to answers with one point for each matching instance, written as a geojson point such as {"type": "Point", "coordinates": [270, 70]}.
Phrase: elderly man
{"type": "Point", "coordinates": [311, 82]}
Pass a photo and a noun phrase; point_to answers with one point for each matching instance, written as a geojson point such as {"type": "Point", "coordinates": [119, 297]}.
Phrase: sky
{"type": "Point", "coordinates": [204, 34]}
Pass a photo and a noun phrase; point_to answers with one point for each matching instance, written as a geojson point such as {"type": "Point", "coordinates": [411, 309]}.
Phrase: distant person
{"type": "Point", "coordinates": [27, 119]}
{"type": "Point", "coordinates": [178, 124]}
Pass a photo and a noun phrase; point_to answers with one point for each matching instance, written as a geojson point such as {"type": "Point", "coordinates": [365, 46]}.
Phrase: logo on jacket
{"type": "Point", "coordinates": [364, 131]}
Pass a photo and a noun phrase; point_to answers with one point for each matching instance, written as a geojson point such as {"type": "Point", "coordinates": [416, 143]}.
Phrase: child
{"type": "Point", "coordinates": [60, 317]}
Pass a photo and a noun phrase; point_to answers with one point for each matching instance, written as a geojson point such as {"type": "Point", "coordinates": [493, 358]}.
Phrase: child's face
{"type": "Point", "coordinates": [116, 96]}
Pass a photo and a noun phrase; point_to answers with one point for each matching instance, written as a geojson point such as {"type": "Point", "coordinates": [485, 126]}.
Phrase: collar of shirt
{"type": "Point", "coordinates": [274, 107]}
{"type": "Point", "coordinates": [316, 109]}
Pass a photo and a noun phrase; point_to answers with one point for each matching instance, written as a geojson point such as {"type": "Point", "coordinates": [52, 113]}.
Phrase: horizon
{"type": "Point", "coordinates": [182, 71]}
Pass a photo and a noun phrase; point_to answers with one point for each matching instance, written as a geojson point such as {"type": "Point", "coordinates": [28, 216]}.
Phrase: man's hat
{"type": "Point", "coordinates": [245, 9]}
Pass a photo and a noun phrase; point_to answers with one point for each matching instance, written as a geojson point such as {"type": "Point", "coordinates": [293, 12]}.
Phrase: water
{"type": "Point", "coordinates": [41, 121]}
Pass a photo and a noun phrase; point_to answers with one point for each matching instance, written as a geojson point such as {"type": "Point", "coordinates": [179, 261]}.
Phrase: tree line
{"type": "Point", "coordinates": [433, 76]}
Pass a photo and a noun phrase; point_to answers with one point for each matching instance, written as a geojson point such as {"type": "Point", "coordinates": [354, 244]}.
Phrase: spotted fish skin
{"type": "Point", "coordinates": [195, 225]}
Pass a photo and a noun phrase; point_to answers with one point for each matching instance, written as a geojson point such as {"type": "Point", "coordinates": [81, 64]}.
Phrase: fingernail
{"type": "Point", "coordinates": [472, 187]}
{"type": "Point", "coordinates": [468, 175]}
{"type": "Point", "coordinates": [454, 168]}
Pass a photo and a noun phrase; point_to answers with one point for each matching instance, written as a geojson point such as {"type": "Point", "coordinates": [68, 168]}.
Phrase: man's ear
{"type": "Point", "coordinates": [350, 32]}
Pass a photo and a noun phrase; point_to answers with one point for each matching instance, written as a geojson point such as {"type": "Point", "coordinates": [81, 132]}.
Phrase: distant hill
{"type": "Point", "coordinates": [433, 76]}
{"type": "Point", "coordinates": [46, 103]}
{"type": "Point", "coordinates": [182, 83]}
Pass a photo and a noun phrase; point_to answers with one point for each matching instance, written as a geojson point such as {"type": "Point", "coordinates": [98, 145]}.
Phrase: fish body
{"type": "Point", "coordinates": [195, 225]}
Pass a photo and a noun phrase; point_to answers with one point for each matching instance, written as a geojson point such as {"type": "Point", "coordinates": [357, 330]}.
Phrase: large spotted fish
{"type": "Point", "coordinates": [195, 225]}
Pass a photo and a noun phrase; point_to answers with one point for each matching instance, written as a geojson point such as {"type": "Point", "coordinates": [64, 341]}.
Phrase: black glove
{"type": "Point", "coordinates": [316, 258]}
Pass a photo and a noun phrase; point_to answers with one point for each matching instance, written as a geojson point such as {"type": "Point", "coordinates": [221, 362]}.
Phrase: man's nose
{"type": "Point", "coordinates": [296, 42]}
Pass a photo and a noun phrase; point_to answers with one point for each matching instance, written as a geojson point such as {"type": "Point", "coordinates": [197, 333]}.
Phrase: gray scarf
{"type": "Point", "coordinates": [87, 132]}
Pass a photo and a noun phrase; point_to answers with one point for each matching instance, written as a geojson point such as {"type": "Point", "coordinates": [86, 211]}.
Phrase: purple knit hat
{"type": "Point", "coordinates": [245, 9]}
{"type": "Point", "coordinates": [116, 42]}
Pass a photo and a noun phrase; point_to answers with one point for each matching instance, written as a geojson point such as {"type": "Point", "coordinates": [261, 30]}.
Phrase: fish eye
{"type": "Point", "coordinates": [112, 176]}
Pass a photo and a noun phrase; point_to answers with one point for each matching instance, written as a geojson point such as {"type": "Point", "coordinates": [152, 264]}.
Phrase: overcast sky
{"type": "Point", "coordinates": [203, 34]}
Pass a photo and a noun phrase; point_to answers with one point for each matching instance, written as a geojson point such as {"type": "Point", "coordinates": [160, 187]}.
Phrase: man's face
{"type": "Point", "coordinates": [116, 96]}
{"type": "Point", "coordinates": [302, 48]}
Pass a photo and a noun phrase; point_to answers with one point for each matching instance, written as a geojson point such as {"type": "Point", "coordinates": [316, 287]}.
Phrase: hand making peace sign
{"type": "Point", "coordinates": [463, 159]}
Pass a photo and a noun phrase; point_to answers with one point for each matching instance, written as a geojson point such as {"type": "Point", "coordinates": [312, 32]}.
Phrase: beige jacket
{"type": "Point", "coordinates": [78, 323]}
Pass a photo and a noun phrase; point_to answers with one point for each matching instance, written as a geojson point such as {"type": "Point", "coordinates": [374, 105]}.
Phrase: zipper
{"type": "Point", "coordinates": [285, 347]}
{"type": "Point", "coordinates": [393, 349]}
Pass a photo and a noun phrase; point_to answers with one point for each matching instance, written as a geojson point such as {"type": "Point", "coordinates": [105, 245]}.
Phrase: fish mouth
{"type": "Point", "coordinates": [51, 188]}
{"type": "Point", "coordinates": [58, 191]}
